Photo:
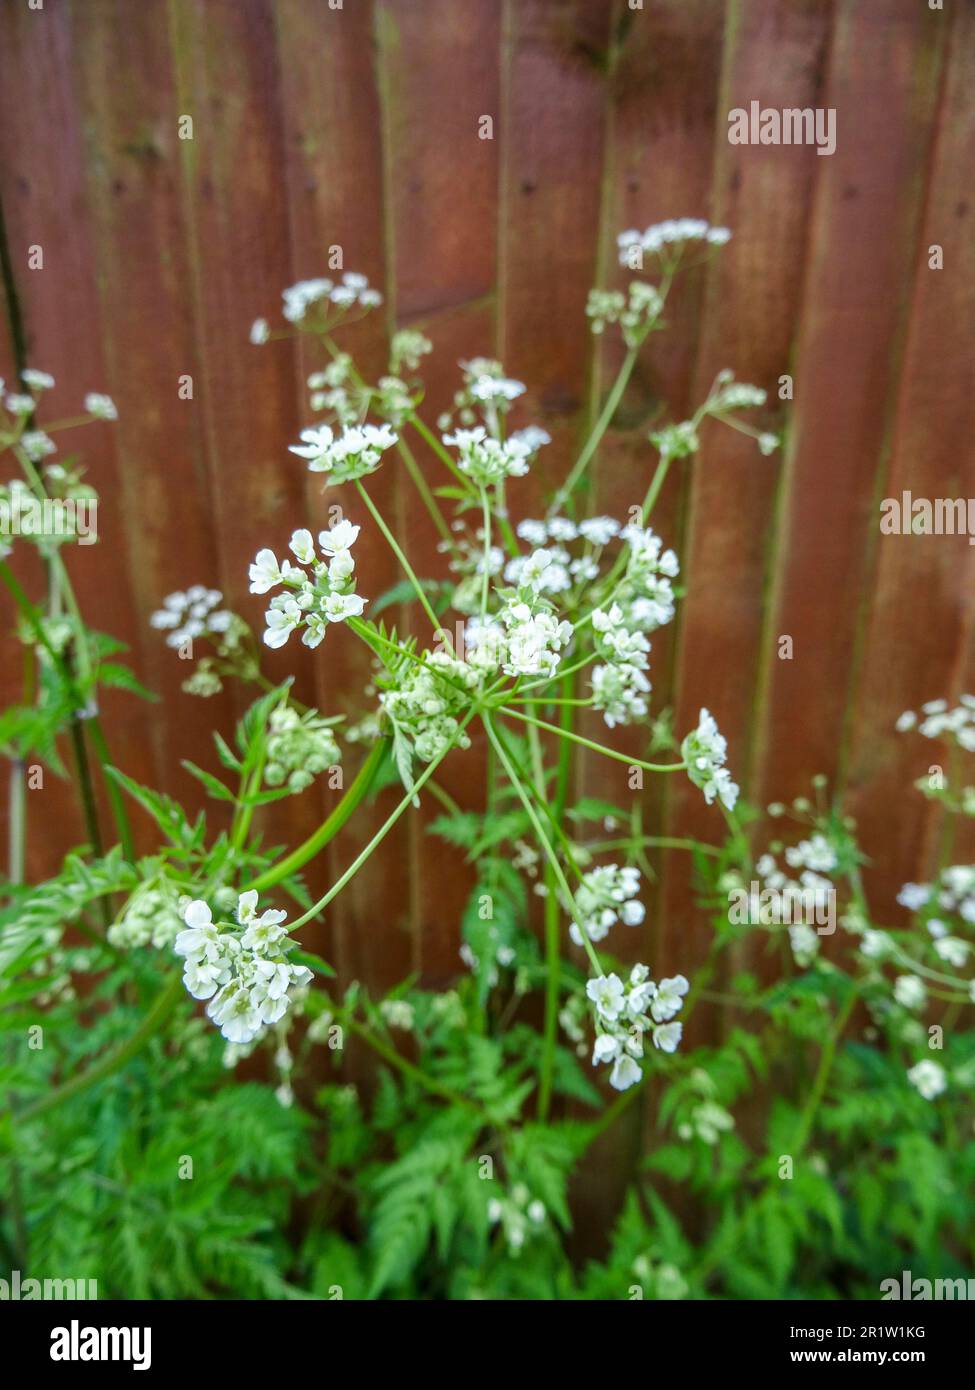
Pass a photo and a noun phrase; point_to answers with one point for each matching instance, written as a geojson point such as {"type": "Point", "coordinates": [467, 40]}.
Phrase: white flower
{"type": "Point", "coordinates": [606, 1048]}
{"type": "Point", "coordinates": [265, 572]}
{"type": "Point", "coordinates": [37, 445]}
{"type": "Point", "coordinates": [606, 992]}
{"type": "Point", "coordinates": [667, 1036]}
{"type": "Point", "coordinates": [302, 548]}
{"type": "Point", "coordinates": [705, 750]}
{"type": "Point", "coordinates": [929, 1078]}
{"type": "Point", "coordinates": [914, 896]}
{"type": "Point", "coordinates": [669, 998]}
{"type": "Point", "coordinates": [338, 607]}
{"type": "Point", "coordinates": [260, 332]}
{"type": "Point", "coordinates": [340, 538]}
{"type": "Point", "coordinates": [102, 407]}
{"type": "Point", "coordinates": [315, 444]}
{"type": "Point", "coordinates": [281, 621]}
{"type": "Point", "coordinates": [953, 950]}
{"type": "Point", "coordinates": [353, 454]}
{"type": "Point", "coordinates": [599, 530]}
{"type": "Point", "coordinates": [37, 381]}
{"type": "Point", "coordinates": [909, 990]}
{"type": "Point", "coordinates": [875, 944]}
{"type": "Point", "coordinates": [607, 894]}
{"type": "Point", "coordinates": [626, 1072]}
{"type": "Point", "coordinates": [804, 943]}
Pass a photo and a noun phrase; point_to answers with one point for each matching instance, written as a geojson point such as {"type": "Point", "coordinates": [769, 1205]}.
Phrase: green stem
{"type": "Point", "coordinates": [588, 743]}
{"type": "Point", "coordinates": [543, 838]}
{"type": "Point", "coordinates": [17, 814]}
{"type": "Point", "coordinates": [394, 546]}
{"type": "Point", "coordinates": [331, 826]}
{"type": "Point", "coordinates": [431, 439]}
{"type": "Point", "coordinates": [485, 577]}
{"type": "Point", "coordinates": [602, 425]}
{"type": "Point", "coordinates": [822, 1075]}
{"type": "Point", "coordinates": [408, 800]}
{"type": "Point", "coordinates": [426, 496]}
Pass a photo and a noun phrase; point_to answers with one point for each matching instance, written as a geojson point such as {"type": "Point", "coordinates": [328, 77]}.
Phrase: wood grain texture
{"type": "Point", "coordinates": [316, 127]}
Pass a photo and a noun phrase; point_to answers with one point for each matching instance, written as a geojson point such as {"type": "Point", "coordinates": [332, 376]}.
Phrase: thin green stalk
{"type": "Point", "coordinates": [17, 820]}
{"type": "Point", "coordinates": [588, 743]}
{"type": "Point", "coordinates": [395, 547]}
{"type": "Point", "coordinates": [331, 826]}
{"type": "Point", "coordinates": [595, 439]}
{"type": "Point", "coordinates": [543, 838]}
{"type": "Point", "coordinates": [553, 962]}
{"type": "Point", "coordinates": [808, 1116]}
{"type": "Point", "coordinates": [486, 562]}
{"type": "Point", "coordinates": [408, 800]}
{"type": "Point", "coordinates": [431, 439]}
{"type": "Point", "coordinates": [426, 496]}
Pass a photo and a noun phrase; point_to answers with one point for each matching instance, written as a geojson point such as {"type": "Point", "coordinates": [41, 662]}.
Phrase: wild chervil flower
{"type": "Point", "coordinates": [247, 977]}
{"type": "Point", "coordinates": [487, 460]}
{"type": "Point", "coordinates": [607, 895]}
{"type": "Point", "coordinates": [705, 751]}
{"type": "Point", "coordinates": [102, 407]}
{"type": "Point", "coordinates": [326, 595]}
{"type": "Point", "coordinates": [299, 747]}
{"type": "Point", "coordinates": [675, 231]}
{"type": "Point", "coordinates": [929, 1078]}
{"type": "Point", "coordinates": [354, 453]}
{"type": "Point", "coordinates": [425, 701]}
{"type": "Point", "coordinates": [35, 380]}
{"type": "Point", "coordinates": [625, 1013]}
{"type": "Point", "coordinates": [195, 613]}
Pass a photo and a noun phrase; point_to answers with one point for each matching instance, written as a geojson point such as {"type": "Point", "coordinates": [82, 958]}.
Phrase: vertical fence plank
{"type": "Point", "coordinates": [45, 205]}
{"type": "Point", "coordinates": [919, 610]}
{"type": "Point", "coordinates": [882, 83]}
{"type": "Point", "coordinates": [775, 55]}
{"type": "Point", "coordinates": [237, 236]}
{"type": "Point", "coordinates": [439, 80]}
{"type": "Point", "coordinates": [333, 171]}
{"type": "Point", "coordinates": [139, 263]}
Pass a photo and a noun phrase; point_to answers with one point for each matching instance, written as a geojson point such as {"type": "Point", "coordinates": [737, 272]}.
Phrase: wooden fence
{"type": "Point", "coordinates": [358, 126]}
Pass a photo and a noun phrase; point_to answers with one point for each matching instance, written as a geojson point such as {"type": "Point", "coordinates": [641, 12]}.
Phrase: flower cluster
{"type": "Point", "coordinates": [486, 393]}
{"type": "Point", "coordinates": [705, 750]}
{"type": "Point", "coordinates": [353, 290]}
{"type": "Point", "coordinates": [518, 1214]}
{"type": "Point", "coordinates": [624, 1013]}
{"type": "Point", "coordinates": [607, 895]}
{"type": "Point", "coordinates": [487, 460]}
{"type": "Point", "coordinates": [619, 685]}
{"type": "Point", "coordinates": [246, 977]}
{"type": "Point", "coordinates": [938, 720]}
{"type": "Point", "coordinates": [674, 232]}
{"type": "Point", "coordinates": [354, 453]}
{"type": "Point", "coordinates": [646, 593]}
{"type": "Point", "coordinates": [952, 895]}
{"type": "Point", "coordinates": [636, 312]}
{"type": "Point", "coordinates": [534, 636]}
{"type": "Point", "coordinates": [299, 747]}
{"type": "Point", "coordinates": [427, 700]}
{"type": "Point", "coordinates": [929, 1078]}
{"type": "Point", "coordinates": [150, 918]}
{"type": "Point", "coordinates": [316, 598]}
{"type": "Point", "coordinates": [195, 613]}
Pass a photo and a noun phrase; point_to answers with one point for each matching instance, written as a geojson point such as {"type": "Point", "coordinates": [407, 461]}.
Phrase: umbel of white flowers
{"type": "Point", "coordinates": [247, 977]}
{"type": "Point", "coordinates": [625, 1013]}
{"type": "Point", "coordinates": [322, 593]}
